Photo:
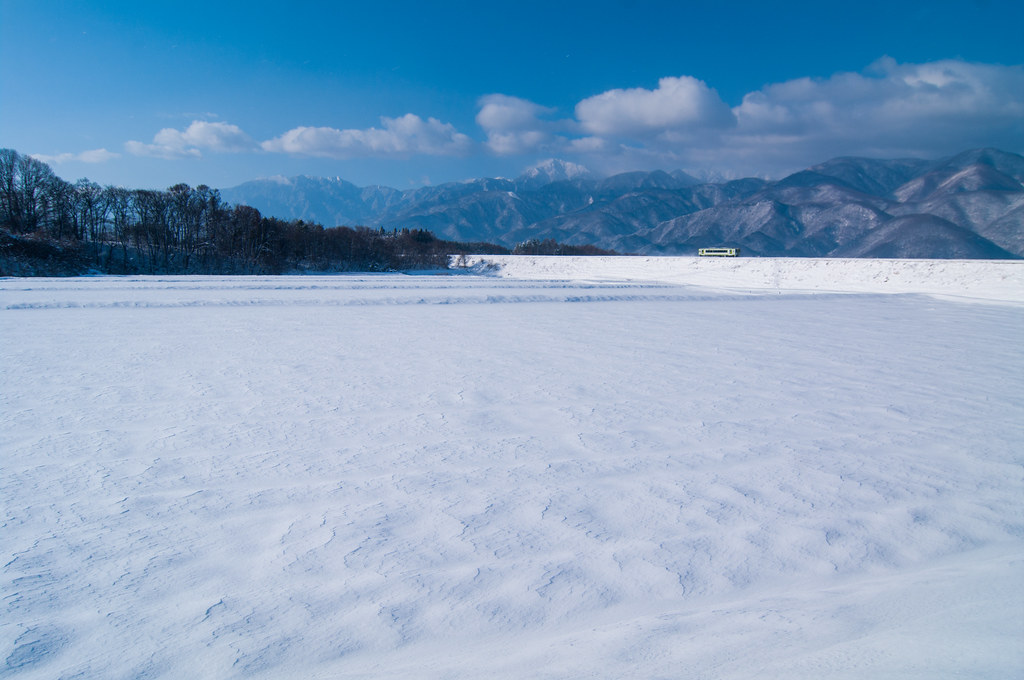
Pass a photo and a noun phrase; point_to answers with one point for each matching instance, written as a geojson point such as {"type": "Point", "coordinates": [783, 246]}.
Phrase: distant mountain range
{"type": "Point", "coordinates": [967, 206]}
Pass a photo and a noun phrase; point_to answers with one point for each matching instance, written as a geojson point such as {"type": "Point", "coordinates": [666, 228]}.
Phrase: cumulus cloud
{"type": "Point", "coordinates": [888, 110]}
{"type": "Point", "coordinates": [928, 108]}
{"type": "Point", "coordinates": [192, 141]}
{"type": "Point", "coordinates": [403, 136]}
{"type": "Point", "coordinates": [515, 125]}
{"type": "Point", "coordinates": [502, 112]}
{"type": "Point", "coordinates": [681, 104]}
{"type": "Point", "coordinates": [91, 156]}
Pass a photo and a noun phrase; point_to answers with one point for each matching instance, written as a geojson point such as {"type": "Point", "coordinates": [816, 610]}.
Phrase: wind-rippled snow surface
{"type": "Point", "coordinates": [468, 477]}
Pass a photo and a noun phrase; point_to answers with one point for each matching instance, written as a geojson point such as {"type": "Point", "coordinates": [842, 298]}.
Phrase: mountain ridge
{"type": "Point", "coordinates": [968, 205]}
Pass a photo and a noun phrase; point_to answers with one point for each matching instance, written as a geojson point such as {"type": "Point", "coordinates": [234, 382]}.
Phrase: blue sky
{"type": "Point", "coordinates": [148, 94]}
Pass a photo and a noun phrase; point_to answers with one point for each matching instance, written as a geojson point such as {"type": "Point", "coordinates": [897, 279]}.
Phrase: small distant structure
{"type": "Point", "coordinates": [718, 252]}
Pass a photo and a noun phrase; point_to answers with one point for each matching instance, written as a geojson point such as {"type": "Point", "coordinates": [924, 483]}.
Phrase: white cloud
{"type": "Point", "coordinates": [682, 104]}
{"type": "Point", "coordinates": [502, 112]}
{"type": "Point", "coordinates": [891, 109]}
{"type": "Point", "coordinates": [588, 145]}
{"type": "Point", "coordinates": [403, 136]}
{"type": "Point", "coordinates": [91, 156]}
{"type": "Point", "coordinates": [517, 141]}
{"type": "Point", "coordinates": [887, 110]}
{"type": "Point", "coordinates": [191, 142]}
{"type": "Point", "coordinates": [890, 99]}
{"type": "Point", "coordinates": [515, 125]}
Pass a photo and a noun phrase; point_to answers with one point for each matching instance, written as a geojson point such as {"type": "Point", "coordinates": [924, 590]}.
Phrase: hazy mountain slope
{"type": "Point", "coordinates": [969, 171]}
{"type": "Point", "coordinates": [609, 218]}
{"type": "Point", "coordinates": [761, 226]}
{"type": "Point", "coordinates": [831, 208]}
{"type": "Point", "coordinates": [810, 215]}
{"type": "Point", "coordinates": [1007, 229]}
{"type": "Point", "coordinates": [990, 214]}
{"type": "Point", "coordinates": [913, 236]}
{"type": "Point", "coordinates": [329, 201]}
{"type": "Point", "coordinates": [620, 221]}
{"type": "Point", "coordinates": [871, 176]}
{"type": "Point", "coordinates": [481, 216]}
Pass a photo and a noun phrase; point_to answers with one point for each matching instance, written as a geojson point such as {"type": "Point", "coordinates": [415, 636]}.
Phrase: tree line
{"type": "Point", "coordinates": [191, 230]}
{"type": "Point", "coordinates": [550, 246]}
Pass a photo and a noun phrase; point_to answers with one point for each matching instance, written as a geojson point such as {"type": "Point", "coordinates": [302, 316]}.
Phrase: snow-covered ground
{"type": "Point", "coordinates": [553, 473]}
{"type": "Point", "coordinates": [964, 279]}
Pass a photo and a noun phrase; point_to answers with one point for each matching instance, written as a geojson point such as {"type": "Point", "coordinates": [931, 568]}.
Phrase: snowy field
{"type": "Point", "coordinates": [571, 471]}
{"type": "Point", "coordinates": [993, 280]}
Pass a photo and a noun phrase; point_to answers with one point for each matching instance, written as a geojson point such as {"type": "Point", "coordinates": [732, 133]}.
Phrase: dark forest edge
{"type": "Point", "coordinates": [51, 227]}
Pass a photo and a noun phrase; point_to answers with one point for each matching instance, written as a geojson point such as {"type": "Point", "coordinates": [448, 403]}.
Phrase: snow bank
{"type": "Point", "coordinates": [994, 280]}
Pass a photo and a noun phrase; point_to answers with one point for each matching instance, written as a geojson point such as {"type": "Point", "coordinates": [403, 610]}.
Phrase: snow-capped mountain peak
{"type": "Point", "coordinates": [554, 170]}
